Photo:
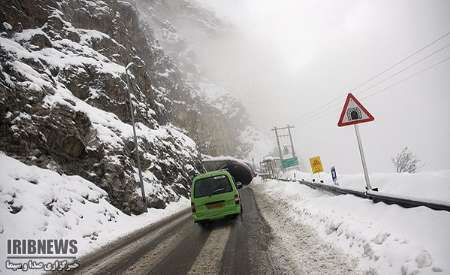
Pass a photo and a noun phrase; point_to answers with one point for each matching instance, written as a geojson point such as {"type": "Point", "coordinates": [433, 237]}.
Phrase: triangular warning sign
{"type": "Point", "coordinates": [353, 112]}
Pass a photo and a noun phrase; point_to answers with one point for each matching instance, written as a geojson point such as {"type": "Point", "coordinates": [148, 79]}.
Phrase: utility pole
{"type": "Point", "coordinates": [290, 138]}
{"type": "Point", "coordinates": [292, 161]}
{"type": "Point", "coordinates": [279, 147]}
{"type": "Point", "coordinates": [136, 147]}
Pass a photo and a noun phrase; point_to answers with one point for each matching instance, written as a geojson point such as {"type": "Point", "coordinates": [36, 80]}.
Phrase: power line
{"type": "Point", "coordinates": [407, 78]}
{"type": "Point", "coordinates": [406, 68]}
{"type": "Point", "coordinates": [324, 114]}
{"type": "Point", "coordinates": [401, 61]}
{"type": "Point", "coordinates": [321, 108]}
{"type": "Point", "coordinates": [318, 110]}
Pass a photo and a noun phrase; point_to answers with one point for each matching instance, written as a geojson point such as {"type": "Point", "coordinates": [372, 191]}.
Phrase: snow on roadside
{"type": "Point", "coordinates": [429, 186]}
{"type": "Point", "coordinates": [38, 203]}
{"type": "Point", "coordinates": [301, 251]}
{"type": "Point", "coordinates": [387, 239]}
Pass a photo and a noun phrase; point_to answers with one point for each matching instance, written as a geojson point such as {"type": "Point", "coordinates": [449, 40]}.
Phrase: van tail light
{"type": "Point", "coordinates": [236, 199]}
{"type": "Point", "coordinates": [193, 207]}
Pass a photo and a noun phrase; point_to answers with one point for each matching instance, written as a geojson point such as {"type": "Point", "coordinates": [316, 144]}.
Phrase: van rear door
{"type": "Point", "coordinates": [213, 195]}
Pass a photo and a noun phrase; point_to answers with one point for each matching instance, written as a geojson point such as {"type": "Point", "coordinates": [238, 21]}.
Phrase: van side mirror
{"type": "Point", "coordinates": [238, 185]}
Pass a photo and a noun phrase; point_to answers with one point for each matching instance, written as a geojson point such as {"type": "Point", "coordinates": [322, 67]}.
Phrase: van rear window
{"type": "Point", "coordinates": [211, 186]}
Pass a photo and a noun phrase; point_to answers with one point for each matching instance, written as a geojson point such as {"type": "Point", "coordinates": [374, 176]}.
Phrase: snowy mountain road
{"type": "Point", "coordinates": [177, 246]}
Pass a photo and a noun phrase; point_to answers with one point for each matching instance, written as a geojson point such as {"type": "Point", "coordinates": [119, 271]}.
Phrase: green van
{"type": "Point", "coordinates": [214, 196]}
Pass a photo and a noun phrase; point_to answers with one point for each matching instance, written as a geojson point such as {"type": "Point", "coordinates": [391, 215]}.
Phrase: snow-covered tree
{"type": "Point", "coordinates": [405, 161]}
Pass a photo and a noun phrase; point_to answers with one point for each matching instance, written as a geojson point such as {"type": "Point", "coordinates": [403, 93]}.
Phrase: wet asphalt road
{"type": "Point", "coordinates": [178, 246]}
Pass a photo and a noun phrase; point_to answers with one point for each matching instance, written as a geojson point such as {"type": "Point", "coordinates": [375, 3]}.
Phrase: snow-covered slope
{"type": "Point", "coordinates": [38, 203]}
{"type": "Point", "coordinates": [386, 239]}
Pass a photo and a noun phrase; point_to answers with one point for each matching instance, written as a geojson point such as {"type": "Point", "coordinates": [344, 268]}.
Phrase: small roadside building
{"type": "Point", "coordinates": [270, 167]}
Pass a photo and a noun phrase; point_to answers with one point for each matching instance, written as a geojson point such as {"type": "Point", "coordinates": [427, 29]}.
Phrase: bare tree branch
{"type": "Point", "coordinates": [406, 161]}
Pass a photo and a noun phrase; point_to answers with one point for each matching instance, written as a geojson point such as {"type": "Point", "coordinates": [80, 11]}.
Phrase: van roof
{"type": "Point", "coordinates": [212, 174]}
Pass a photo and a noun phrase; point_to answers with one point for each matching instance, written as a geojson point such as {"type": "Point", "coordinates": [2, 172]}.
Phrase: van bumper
{"type": "Point", "coordinates": [205, 216]}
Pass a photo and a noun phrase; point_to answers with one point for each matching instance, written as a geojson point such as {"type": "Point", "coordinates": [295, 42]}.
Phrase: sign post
{"type": "Point", "coordinates": [363, 158]}
{"type": "Point", "coordinates": [354, 113]}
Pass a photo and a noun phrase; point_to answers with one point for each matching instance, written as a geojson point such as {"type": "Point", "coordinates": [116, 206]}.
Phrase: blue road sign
{"type": "Point", "coordinates": [334, 175]}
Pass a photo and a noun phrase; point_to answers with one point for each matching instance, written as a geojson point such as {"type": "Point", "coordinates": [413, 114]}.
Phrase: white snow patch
{"type": "Point", "coordinates": [386, 238]}
{"type": "Point", "coordinates": [7, 26]}
{"type": "Point", "coordinates": [47, 205]}
{"type": "Point", "coordinates": [27, 34]}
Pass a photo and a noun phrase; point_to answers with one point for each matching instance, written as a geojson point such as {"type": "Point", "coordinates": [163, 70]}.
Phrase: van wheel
{"type": "Point", "coordinates": [204, 224]}
{"type": "Point", "coordinates": [234, 216]}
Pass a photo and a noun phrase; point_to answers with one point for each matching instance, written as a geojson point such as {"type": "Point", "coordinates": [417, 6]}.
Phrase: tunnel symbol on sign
{"type": "Point", "coordinates": [354, 114]}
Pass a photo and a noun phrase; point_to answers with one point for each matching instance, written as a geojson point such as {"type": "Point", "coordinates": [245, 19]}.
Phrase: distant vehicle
{"type": "Point", "coordinates": [214, 196]}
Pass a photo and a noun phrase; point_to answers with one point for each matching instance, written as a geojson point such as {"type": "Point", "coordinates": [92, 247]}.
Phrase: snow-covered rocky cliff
{"type": "Point", "coordinates": [64, 103]}
{"type": "Point", "coordinates": [185, 29]}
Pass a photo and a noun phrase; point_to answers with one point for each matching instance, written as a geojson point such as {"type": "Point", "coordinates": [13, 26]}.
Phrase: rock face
{"type": "Point", "coordinates": [64, 101]}
{"type": "Point", "coordinates": [216, 120]}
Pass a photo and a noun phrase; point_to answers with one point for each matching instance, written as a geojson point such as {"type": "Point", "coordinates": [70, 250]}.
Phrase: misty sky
{"type": "Point", "coordinates": [287, 58]}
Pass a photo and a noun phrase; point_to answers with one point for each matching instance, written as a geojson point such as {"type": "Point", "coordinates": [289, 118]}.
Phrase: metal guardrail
{"type": "Point", "coordinates": [375, 197]}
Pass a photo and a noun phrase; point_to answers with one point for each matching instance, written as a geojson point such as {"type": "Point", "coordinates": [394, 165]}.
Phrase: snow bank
{"type": "Point", "coordinates": [37, 203]}
{"type": "Point", "coordinates": [387, 239]}
{"type": "Point", "coordinates": [430, 186]}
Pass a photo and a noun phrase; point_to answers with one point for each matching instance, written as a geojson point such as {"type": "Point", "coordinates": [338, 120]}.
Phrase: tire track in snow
{"type": "Point", "coordinates": [181, 258]}
{"type": "Point", "coordinates": [145, 262]}
{"type": "Point", "coordinates": [125, 256]}
{"type": "Point", "coordinates": [298, 246]}
{"type": "Point", "coordinates": [209, 259]}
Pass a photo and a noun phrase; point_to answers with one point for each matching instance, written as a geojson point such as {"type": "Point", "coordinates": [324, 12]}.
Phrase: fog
{"type": "Point", "coordinates": [286, 59]}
